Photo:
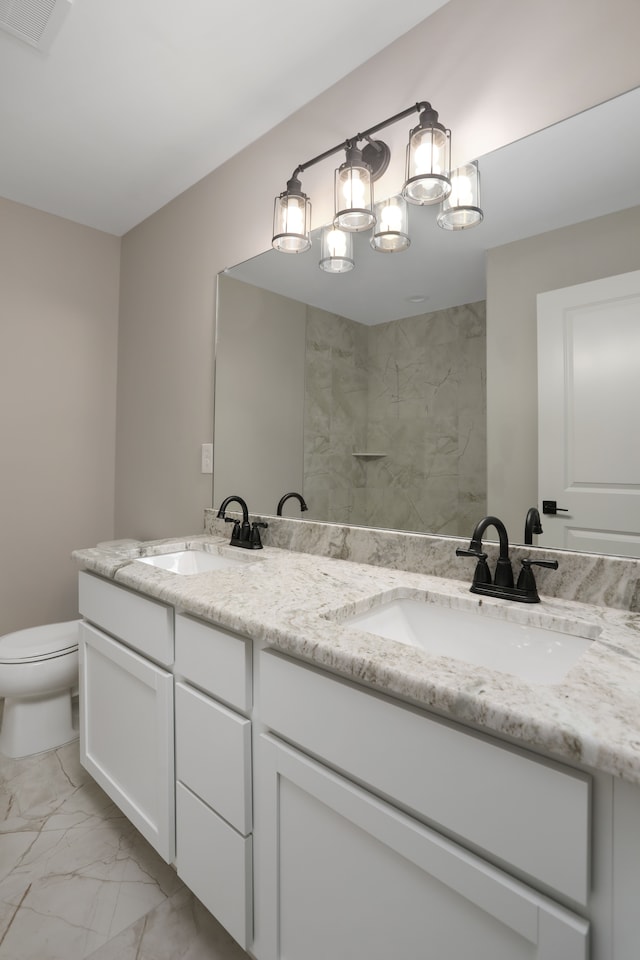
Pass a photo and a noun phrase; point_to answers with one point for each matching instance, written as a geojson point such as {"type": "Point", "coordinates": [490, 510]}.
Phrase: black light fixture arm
{"type": "Point", "coordinates": [366, 135]}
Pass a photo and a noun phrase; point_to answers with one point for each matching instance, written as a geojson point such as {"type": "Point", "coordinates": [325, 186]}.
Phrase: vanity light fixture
{"type": "Point", "coordinates": [428, 160]}
{"type": "Point", "coordinates": [292, 219]}
{"type": "Point", "coordinates": [336, 250]}
{"type": "Point", "coordinates": [461, 209]}
{"type": "Point", "coordinates": [366, 159]}
{"type": "Point", "coordinates": [354, 193]}
{"type": "Point", "coordinates": [390, 234]}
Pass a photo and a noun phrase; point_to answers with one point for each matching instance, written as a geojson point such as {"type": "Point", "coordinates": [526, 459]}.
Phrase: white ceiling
{"type": "Point", "coordinates": [136, 100]}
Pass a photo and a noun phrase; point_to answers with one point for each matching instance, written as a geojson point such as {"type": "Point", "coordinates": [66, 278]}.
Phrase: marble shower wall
{"type": "Point", "coordinates": [335, 417]}
{"type": "Point", "coordinates": [395, 420]}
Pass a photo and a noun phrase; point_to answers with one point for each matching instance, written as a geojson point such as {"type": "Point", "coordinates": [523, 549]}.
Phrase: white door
{"type": "Point", "coordinates": [343, 875]}
{"type": "Point", "coordinates": [588, 415]}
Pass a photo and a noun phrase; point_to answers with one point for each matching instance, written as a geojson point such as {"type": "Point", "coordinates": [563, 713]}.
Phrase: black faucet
{"type": "Point", "coordinates": [532, 525]}
{"type": "Point", "coordinates": [244, 534]}
{"type": "Point", "coordinates": [502, 584]}
{"type": "Point", "coordinates": [289, 496]}
{"type": "Point", "coordinates": [504, 572]}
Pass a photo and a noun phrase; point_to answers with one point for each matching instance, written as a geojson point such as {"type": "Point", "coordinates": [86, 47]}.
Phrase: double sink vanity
{"type": "Point", "coordinates": [348, 759]}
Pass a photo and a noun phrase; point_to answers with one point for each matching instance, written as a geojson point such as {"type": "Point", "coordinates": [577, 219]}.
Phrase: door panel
{"type": "Point", "coordinates": [588, 398]}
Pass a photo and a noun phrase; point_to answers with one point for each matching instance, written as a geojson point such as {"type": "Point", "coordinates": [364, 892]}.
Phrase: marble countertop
{"type": "Point", "coordinates": [297, 603]}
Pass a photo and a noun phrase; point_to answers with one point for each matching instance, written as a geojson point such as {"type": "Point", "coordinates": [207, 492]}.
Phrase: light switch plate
{"type": "Point", "coordinates": [207, 458]}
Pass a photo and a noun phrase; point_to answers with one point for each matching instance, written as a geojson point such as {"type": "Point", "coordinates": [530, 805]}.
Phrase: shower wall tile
{"type": "Point", "coordinates": [412, 389]}
{"type": "Point", "coordinates": [335, 415]}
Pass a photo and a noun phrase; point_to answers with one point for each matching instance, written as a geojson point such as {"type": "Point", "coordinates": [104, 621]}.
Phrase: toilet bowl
{"type": "Point", "coordinates": [38, 669]}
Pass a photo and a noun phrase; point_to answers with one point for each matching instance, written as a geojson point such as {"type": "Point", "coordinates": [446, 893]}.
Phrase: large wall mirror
{"type": "Point", "coordinates": [367, 391]}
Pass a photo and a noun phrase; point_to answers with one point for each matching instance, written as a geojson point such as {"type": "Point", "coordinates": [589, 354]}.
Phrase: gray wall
{"type": "Point", "coordinates": [58, 342]}
{"type": "Point", "coordinates": [259, 395]}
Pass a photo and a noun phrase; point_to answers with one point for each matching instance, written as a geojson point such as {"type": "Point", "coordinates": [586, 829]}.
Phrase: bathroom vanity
{"type": "Point", "coordinates": [330, 786]}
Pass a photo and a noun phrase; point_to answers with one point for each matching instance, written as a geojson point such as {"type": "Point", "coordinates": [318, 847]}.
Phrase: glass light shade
{"type": "Point", "coordinates": [461, 209]}
{"type": "Point", "coordinates": [390, 234]}
{"type": "Point", "coordinates": [336, 250]}
{"type": "Point", "coordinates": [292, 220]}
{"type": "Point", "coordinates": [353, 197]}
{"type": "Point", "coordinates": [428, 165]}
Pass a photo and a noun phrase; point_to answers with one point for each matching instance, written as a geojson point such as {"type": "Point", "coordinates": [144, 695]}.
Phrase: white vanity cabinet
{"type": "Point", "coordinates": [315, 817]}
{"type": "Point", "coordinates": [126, 705]}
{"type": "Point", "coordinates": [384, 832]}
{"type": "Point", "coordinates": [213, 700]}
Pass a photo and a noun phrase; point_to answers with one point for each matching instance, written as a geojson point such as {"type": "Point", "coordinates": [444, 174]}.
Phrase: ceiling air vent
{"type": "Point", "coordinates": [34, 21]}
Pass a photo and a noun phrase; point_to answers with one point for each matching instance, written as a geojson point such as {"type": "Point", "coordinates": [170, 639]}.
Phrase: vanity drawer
{"type": "Point", "coordinates": [145, 625]}
{"type": "Point", "coordinates": [215, 660]}
{"type": "Point", "coordinates": [525, 813]}
{"type": "Point", "coordinates": [216, 863]}
{"type": "Point", "coordinates": [213, 755]}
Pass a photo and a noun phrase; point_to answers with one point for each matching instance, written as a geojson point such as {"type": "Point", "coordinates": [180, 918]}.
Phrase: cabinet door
{"type": "Point", "coordinates": [530, 814]}
{"type": "Point", "coordinates": [126, 734]}
{"type": "Point", "coordinates": [342, 874]}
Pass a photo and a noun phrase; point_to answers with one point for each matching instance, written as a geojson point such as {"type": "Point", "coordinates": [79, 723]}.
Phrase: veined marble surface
{"type": "Point", "coordinates": [77, 881]}
{"type": "Point", "coordinates": [291, 600]}
{"type": "Point", "coordinates": [585, 577]}
{"type": "Point", "coordinates": [395, 416]}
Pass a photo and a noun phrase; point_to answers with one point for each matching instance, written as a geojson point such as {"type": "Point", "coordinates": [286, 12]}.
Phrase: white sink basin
{"type": "Point", "coordinates": [534, 653]}
{"type": "Point", "coordinates": [195, 561]}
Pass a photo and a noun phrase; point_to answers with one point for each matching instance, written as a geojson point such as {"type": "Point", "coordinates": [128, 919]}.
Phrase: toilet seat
{"type": "Point", "coordinates": [39, 643]}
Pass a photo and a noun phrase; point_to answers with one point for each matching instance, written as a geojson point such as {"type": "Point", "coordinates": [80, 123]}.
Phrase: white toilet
{"type": "Point", "coordinates": [38, 669]}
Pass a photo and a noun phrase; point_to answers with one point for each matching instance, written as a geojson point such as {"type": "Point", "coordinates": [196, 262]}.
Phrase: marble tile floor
{"type": "Point", "coordinates": [78, 881]}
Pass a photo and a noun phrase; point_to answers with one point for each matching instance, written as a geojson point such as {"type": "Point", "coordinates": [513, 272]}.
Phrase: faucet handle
{"type": "Point", "coordinates": [526, 579]}
{"type": "Point", "coordinates": [256, 542]}
{"type": "Point", "coordinates": [527, 563]}
{"type": "Point", "coordinates": [235, 533]}
{"type": "Point", "coordinates": [482, 573]}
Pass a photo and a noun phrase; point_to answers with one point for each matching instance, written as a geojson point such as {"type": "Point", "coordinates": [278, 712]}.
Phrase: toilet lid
{"type": "Point", "coordinates": [38, 643]}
